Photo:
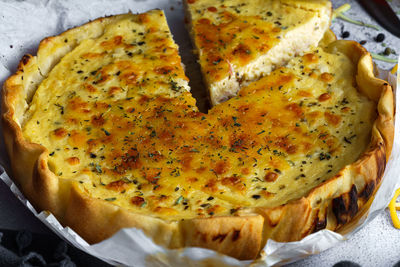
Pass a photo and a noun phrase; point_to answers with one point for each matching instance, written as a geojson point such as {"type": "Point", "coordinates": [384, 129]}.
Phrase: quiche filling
{"type": "Point", "coordinates": [116, 116]}
{"type": "Point", "coordinates": [239, 42]}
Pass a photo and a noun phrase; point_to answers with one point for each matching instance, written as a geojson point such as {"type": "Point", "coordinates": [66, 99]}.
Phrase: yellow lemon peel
{"type": "Point", "coordinates": [393, 206]}
{"type": "Point", "coordinates": [394, 70]}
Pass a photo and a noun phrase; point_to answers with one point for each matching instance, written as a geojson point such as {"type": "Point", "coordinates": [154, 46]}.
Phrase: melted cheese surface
{"type": "Point", "coordinates": [231, 34]}
{"type": "Point", "coordinates": [116, 117]}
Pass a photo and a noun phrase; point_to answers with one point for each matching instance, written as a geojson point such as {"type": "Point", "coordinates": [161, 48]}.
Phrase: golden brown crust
{"type": "Point", "coordinates": [107, 219]}
{"type": "Point", "coordinates": [239, 237]}
{"type": "Point", "coordinates": [342, 198]}
{"type": "Point", "coordinates": [37, 184]}
{"type": "Point", "coordinates": [331, 205]}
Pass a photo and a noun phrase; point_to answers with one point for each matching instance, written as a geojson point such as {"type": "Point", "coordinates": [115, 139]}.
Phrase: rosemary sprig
{"type": "Point", "coordinates": [340, 10]}
{"type": "Point", "coordinates": [383, 58]}
{"type": "Point", "coordinates": [338, 13]}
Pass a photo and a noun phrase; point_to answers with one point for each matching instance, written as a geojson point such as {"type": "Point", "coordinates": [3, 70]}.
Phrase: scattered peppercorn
{"type": "Point", "coordinates": [380, 38]}
{"type": "Point", "coordinates": [388, 51]}
{"type": "Point", "coordinates": [345, 34]}
{"type": "Point", "coordinates": [363, 42]}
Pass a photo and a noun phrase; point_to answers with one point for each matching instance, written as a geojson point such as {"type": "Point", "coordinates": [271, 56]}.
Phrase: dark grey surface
{"type": "Point", "coordinates": [26, 249]}
{"type": "Point", "coordinates": [14, 215]}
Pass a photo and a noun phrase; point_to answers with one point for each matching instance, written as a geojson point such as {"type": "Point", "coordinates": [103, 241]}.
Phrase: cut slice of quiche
{"type": "Point", "coordinates": [239, 41]}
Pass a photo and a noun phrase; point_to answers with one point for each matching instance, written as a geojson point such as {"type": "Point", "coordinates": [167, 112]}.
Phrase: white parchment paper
{"type": "Point", "coordinates": [30, 21]}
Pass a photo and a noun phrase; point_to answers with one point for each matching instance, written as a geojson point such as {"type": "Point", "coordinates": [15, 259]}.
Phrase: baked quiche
{"type": "Point", "coordinates": [239, 41]}
{"type": "Point", "coordinates": [103, 132]}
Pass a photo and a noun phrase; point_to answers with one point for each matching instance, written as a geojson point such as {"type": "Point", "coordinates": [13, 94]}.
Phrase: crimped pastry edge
{"type": "Point", "coordinates": [332, 205]}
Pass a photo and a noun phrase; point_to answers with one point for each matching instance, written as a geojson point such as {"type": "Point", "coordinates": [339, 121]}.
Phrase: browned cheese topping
{"type": "Point", "coordinates": [116, 116]}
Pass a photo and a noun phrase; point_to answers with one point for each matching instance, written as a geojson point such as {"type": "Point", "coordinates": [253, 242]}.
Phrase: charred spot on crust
{"type": "Point", "coordinates": [368, 190]}
{"type": "Point", "coordinates": [273, 224]}
{"type": "Point", "coordinates": [203, 236]}
{"type": "Point", "coordinates": [236, 235]}
{"type": "Point", "coordinates": [345, 206]}
{"type": "Point", "coordinates": [353, 205]}
{"type": "Point", "coordinates": [25, 59]}
{"type": "Point", "coordinates": [219, 237]}
{"type": "Point", "coordinates": [320, 221]}
{"type": "Point", "coordinates": [339, 209]}
{"type": "Point", "coordinates": [320, 224]}
{"type": "Point", "coordinates": [380, 162]}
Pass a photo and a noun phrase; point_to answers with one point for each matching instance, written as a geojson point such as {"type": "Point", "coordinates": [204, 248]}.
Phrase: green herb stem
{"type": "Point", "coordinates": [383, 58]}
{"type": "Point", "coordinates": [356, 22]}
{"type": "Point", "coordinates": [338, 13]}
{"type": "Point", "coordinates": [340, 10]}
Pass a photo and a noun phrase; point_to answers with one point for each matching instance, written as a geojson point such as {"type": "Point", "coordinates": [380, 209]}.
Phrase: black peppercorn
{"type": "Point", "coordinates": [346, 264]}
{"type": "Point", "coordinates": [363, 42]}
{"type": "Point", "coordinates": [388, 51]}
{"type": "Point", "coordinates": [380, 37]}
{"type": "Point", "coordinates": [345, 34]}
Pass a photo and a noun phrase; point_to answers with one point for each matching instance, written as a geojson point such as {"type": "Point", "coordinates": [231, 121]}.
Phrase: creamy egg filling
{"type": "Point", "coordinates": [116, 116]}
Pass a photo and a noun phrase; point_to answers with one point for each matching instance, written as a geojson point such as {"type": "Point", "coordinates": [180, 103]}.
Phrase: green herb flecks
{"type": "Point", "coordinates": [235, 123]}
{"type": "Point", "coordinates": [383, 58]}
{"type": "Point", "coordinates": [179, 200]}
{"type": "Point", "coordinates": [60, 107]}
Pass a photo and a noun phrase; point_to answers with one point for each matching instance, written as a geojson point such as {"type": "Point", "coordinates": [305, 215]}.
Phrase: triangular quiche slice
{"type": "Point", "coordinates": [103, 132]}
{"type": "Point", "coordinates": [239, 41]}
